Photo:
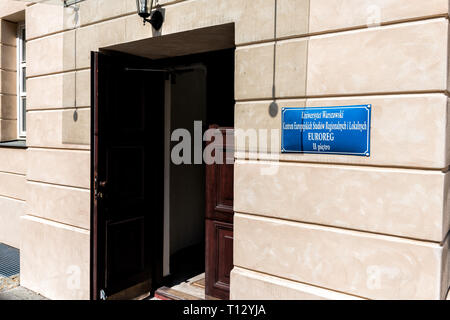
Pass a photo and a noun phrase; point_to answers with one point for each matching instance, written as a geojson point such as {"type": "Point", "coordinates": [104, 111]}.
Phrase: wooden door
{"type": "Point", "coordinates": [127, 176]}
{"type": "Point", "coordinates": [219, 220]}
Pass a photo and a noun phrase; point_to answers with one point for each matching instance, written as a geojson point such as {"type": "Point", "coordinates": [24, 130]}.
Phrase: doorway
{"type": "Point", "coordinates": [149, 210]}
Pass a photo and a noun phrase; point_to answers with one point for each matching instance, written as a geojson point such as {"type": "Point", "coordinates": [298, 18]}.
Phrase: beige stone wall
{"type": "Point", "coordinates": [359, 226]}
{"type": "Point", "coordinates": [13, 162]}
{"type": "Point", "coordinates": [57, 222]}
{"type": "Point", "coordinates": [11, 9]}
{"type": "Point", "coordinates": [13, 166]}
{"type": "Point", "coordinates": [380, 221]}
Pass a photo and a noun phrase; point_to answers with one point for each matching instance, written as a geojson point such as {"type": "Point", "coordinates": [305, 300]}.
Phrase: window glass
{"type": "Point", "coordinates": [24, 112]}
{"type": "Point", "coordinates": [23, 49]}
{"type": "Point", "coordinates": [21, 81]}
{"type": "Point", "coordinates": [24, 78]}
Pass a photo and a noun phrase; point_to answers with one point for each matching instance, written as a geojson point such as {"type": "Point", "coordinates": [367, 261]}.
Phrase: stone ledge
{"type": "Point", "coordinates": [251, 285]}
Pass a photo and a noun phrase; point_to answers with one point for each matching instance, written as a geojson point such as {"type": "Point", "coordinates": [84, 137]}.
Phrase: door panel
{"type": "Point", "coordinates": [224, 194]}
{"type": "Point", "coordinates": [125, 251]}
{"type": "Point", "coordinates": [219, 258]}
{"type": "Point", "coordinates": [127, 175]}
{"type": "Point", "coordinates": [219, 220]}
{"type": "Point", "coordinates": [224, 236]}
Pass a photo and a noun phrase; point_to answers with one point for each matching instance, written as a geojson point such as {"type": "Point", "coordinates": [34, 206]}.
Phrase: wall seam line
{"type": "Point", "coordinates": [37, 109]}
{"type": "Point", "coordinates": [260, 157]}
{"type": "Point", "coordinates": [301, 282]}
{"type": "Point", "coordinates": [58, 73]}
{"type": "Point", "coordinates": [350, 95]}
{"type": "Point", "coordinates": [361, 233]}
{"type": "Point", "coordinates": [12, 173]}
{"type": "Point", "coordinates": [81, 150]}
{"type": "Point", "coordinates": [51, 222]}
{"type": "Point", "coordinates": [12, 198]}
{"type": "Point", "coordinates": [56, 184]}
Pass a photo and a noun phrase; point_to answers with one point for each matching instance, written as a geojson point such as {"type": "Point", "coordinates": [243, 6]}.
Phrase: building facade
{"type": "Point", "coordinates": [306, 226]}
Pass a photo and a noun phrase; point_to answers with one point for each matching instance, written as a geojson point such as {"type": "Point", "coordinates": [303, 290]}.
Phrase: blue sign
{"type": "Point", "coordinates": [326, 130]}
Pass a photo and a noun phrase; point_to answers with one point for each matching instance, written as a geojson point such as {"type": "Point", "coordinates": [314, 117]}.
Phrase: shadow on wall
{"type": "Point", "coordinates": [75, 118]}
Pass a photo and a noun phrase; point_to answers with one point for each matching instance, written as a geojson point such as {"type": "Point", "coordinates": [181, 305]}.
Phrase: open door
{"type": "Point", "coordinates": [219, 219]}
{"type": "Point", "coordinates": [127, 176]}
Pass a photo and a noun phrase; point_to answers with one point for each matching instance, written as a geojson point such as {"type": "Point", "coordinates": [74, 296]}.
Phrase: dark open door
{"type": "Point", "coordinates": [219, 220]}
{"type": "Point", "coordinates": [127, 175]}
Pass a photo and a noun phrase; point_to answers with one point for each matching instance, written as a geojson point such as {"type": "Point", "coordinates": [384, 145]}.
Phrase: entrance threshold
{"type": "Point", "coordinates": [192, 289]}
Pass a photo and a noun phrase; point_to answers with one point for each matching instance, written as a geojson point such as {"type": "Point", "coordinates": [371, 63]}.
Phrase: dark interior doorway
{"type": "Point", "coordinates": [138, 245]}
{"type": "Point", "coordinates": [127, 146]}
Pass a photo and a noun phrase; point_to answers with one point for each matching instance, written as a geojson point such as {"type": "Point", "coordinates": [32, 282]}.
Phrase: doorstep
{"type": "Point", "coordinates": [192, 289]}
{"type": "Point", "coordinates": [165, 293]}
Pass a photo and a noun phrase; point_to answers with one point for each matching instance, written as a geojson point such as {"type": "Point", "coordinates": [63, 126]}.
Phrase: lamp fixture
{"type": "Point", "coordinates": [144, 9]}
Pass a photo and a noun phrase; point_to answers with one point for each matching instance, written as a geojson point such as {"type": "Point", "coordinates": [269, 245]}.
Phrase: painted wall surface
{"type": "Point", "coordinates": [382, 221]}
{"type": "Point", "coordinates": [187, 182]}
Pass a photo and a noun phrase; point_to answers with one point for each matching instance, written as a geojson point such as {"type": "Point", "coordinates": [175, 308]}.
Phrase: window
{"type": "Point", "coordinates": [21, 82]}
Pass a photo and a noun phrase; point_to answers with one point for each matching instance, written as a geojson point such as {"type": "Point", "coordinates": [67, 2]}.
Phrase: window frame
{"type": "Point", "coordinates": [21, 79]}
